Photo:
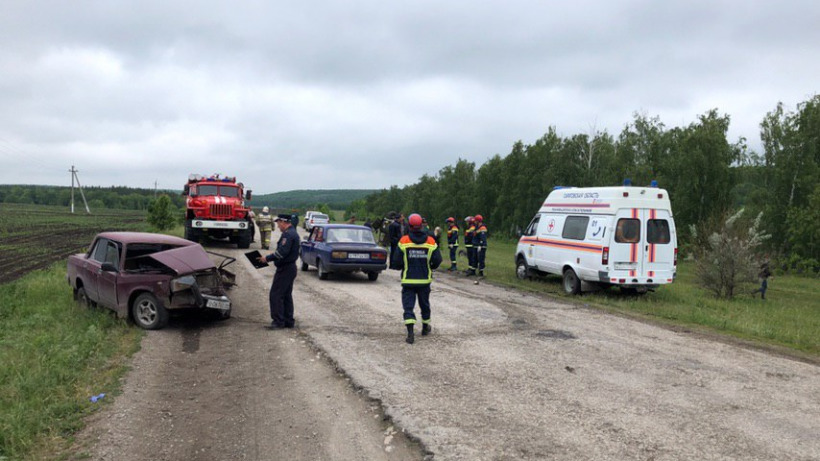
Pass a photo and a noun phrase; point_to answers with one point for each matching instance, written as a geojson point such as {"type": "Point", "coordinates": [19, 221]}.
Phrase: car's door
{"type": "Point", "coordinates": [108, 273]}
{"type": "Point", "coordinates": [91, 269]}
{"type": "Point", "coordinates": [308, 253]}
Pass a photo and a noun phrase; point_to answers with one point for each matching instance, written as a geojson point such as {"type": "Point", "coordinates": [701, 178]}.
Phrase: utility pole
{"type": "Point", "coordinates": [74, 176]}
{"type": "Point", "coordinates": [155, 188]}
{"type": "Point", "coordinates": [72, 171]}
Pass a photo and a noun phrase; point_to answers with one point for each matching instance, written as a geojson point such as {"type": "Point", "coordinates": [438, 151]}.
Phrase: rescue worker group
{"type": "Point", "coordinates": [414, 250]}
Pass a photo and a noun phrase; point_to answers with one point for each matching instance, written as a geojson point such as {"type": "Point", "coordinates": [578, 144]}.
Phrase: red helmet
{"type": "Point", "coordinates": [450, 219]}
{"type": "Point", "coordinates": [479, 218]}
{"type": "Point", "coordinates": [414, 221]}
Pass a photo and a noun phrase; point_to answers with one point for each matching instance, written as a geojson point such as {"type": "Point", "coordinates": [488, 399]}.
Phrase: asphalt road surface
{"type": "Point", "coordinates": [504, 376]}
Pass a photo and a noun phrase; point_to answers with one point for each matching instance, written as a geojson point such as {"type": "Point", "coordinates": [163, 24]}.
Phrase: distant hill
{"type": "Point", "coordinates": [337, 199]}
{"type": "Point", "coordinates": [139, 199]}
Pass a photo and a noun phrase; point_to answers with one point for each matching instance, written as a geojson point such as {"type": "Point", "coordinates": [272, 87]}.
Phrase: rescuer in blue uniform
{"type": "Point", "coordinates": [284, 258]}
{"type": "Point", "coordinates": [469, 233]}
{"type": "Point", "coordinates": [480, 244]}
{"type": "Point", "coordinates": [418, 255]}
{"type": "Point", "coordinates": [452, 243]}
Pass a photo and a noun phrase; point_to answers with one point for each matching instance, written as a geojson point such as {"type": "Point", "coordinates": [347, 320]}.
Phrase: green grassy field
{"type": "Point", "coordinates": [789, 317]}
{"type": "Point", "coordinates": [55, 356]}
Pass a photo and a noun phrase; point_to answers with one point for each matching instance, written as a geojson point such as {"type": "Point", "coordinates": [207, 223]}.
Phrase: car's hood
{"type": "Point", "coordinates": [184, 260]}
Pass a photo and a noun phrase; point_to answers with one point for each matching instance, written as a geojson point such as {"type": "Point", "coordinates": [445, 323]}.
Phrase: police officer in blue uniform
{"type": "Point", "coordinates": [284, 258]}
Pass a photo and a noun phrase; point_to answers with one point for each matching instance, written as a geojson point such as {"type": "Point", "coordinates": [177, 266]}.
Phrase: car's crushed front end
{"type": "Point", "coordinates": [196, 282]}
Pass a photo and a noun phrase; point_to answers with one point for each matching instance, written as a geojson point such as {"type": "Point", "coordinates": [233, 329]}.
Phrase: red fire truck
{"type": "Point", "coordinates": [215, 207]}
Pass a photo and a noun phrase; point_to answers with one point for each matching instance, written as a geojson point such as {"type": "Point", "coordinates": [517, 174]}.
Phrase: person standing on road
{"type": "Point", "coordinates": [452, 243]}
{"type": "Point", "coordinates": [284, 258]}
{"type": "Point", "coordinates": [480, 244]}
{"type": "Point", "coordinates": [265, 223]}
{"type": "Point", "coordinates": [469, 233]}
{"type": "Point", "coordinates": [418, 255]}
{"type": "Point", "coordinates": [394, 234]}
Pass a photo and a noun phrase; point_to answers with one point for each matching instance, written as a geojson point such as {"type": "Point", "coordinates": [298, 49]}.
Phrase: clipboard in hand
{"type": "Point", "coordinates": [253, 257]}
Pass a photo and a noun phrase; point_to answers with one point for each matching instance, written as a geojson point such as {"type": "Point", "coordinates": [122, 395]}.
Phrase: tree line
{"type": "Point", "coordinates": [707, 176]}
{"type": "Point", "coordinates": [114, 197]}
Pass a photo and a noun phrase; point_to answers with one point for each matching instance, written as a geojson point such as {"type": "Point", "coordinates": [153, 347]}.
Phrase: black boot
{"type": "Point", "coordinates": [410, 336]}
{"type": "Point", "coordinates": [425, 329]}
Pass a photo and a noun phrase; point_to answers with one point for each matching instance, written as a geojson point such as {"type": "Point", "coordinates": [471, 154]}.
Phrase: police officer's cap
{"type": "Point", "coordinates": [282, 217]}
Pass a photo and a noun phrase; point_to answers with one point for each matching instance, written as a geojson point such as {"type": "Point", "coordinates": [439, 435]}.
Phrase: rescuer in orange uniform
{"type": "Point", "coordinates": [480, 244]}
{"type": "Point", "coordinates": [452, 243]}
{"type": "Point", "coordinates": [417, 256]}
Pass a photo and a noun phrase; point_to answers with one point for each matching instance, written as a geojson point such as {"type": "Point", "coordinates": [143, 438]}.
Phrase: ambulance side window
{"type": "Point", "coordinates": [657, 231]}
{"type": "Point", "coordinates": [628, 231]}
{"type": "Point", "coordinates": [575, 227]}
{"type": "Point", "coordinates": [533, 226]}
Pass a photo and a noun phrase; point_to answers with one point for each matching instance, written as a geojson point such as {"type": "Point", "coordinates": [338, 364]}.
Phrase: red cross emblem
{"type": "Point", "coordinates": [551, 225]}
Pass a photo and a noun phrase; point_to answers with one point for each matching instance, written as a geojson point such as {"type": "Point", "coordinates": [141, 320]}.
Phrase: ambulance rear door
{"type": "Point", "coordinates": [660, 245]}
{"type": "Point", "coordinates": [627, 251]}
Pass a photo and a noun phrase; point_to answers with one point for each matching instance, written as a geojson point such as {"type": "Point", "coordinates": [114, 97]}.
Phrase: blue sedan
{"type": "Point", "coordinates": [343, 248]}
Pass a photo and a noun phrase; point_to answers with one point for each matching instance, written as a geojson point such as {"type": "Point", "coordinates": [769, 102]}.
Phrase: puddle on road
{"type": "Point", "coordinates": [555, 334]}
{"type": "Point", "coordinates": [190, 339]}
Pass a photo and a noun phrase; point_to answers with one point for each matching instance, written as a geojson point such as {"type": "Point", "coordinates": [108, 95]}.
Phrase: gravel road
{"type": "Point", "coordinates": [504, 376]}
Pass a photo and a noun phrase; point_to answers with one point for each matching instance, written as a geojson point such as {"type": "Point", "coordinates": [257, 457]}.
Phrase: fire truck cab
{"type": "Point", "coordinates": [215, 207]}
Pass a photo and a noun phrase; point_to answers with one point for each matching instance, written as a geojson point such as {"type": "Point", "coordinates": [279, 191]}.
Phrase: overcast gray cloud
{"type": "Point", "coordinates": [366, 94]}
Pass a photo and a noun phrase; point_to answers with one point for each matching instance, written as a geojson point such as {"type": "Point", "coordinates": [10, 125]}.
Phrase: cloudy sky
{"type": "Point", "coordinates": [365, 94]}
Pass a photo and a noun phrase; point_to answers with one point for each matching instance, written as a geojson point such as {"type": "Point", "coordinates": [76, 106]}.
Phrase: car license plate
{"type": "Point", "coordinates": [358, 255]}
{"type": "Point", "coordinates": [217, 304]}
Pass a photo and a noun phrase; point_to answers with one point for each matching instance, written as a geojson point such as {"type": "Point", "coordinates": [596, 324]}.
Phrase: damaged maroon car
{"type": "Point", "coordinates": [143, 276]}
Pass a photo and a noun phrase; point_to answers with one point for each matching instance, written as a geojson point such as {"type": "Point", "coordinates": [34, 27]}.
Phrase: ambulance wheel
{"type": "Point", "coordinates": [572, 284]}
{"type": "Point", "coordinates": [522, 270]}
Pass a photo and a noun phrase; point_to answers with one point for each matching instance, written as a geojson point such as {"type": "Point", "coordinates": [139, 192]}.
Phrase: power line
{"type": "Point", "coordinates": [10, 150]}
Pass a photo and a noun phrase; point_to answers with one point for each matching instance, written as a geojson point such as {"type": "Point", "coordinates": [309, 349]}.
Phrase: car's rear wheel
{"type": "Point", "coordinates": [148, 313]}
{"type": "Point", "coordinates": [372, 276]}
{"type": "Point", "coordinates": [304, 265]}
{"type": "Point", "coordinates": [322, 271]}
{"type": "Point", "coordinates": [572, 284]}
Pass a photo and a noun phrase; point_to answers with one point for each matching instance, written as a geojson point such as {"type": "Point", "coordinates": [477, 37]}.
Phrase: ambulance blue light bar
{"type": "Point", "coordinates": [627, 182]}
{"type": "Point", "coordinates": [654, 183]}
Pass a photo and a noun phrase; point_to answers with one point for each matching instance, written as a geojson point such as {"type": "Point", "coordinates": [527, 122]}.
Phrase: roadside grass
{"type": "Point", "coordinates": [55, 355]}
{"type": "Point", "coordinates": [789, 317]}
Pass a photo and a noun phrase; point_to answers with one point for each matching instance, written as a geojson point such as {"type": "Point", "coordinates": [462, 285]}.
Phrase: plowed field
{"type": "Point", "coordinates": [33, 236]}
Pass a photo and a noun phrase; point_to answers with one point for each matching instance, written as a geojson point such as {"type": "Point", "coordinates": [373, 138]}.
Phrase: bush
{"type": "Point", "coordinates": [726, 262]}
{"type": "Point", "coordinates": [161, 213]}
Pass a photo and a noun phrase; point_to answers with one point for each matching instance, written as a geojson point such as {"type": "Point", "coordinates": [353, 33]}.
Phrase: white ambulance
{"type": "Point", "coordinates": [602, 236]}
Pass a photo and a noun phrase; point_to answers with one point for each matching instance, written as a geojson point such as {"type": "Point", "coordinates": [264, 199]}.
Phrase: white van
{"type": "Point", "coordinates": [602, 236]}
